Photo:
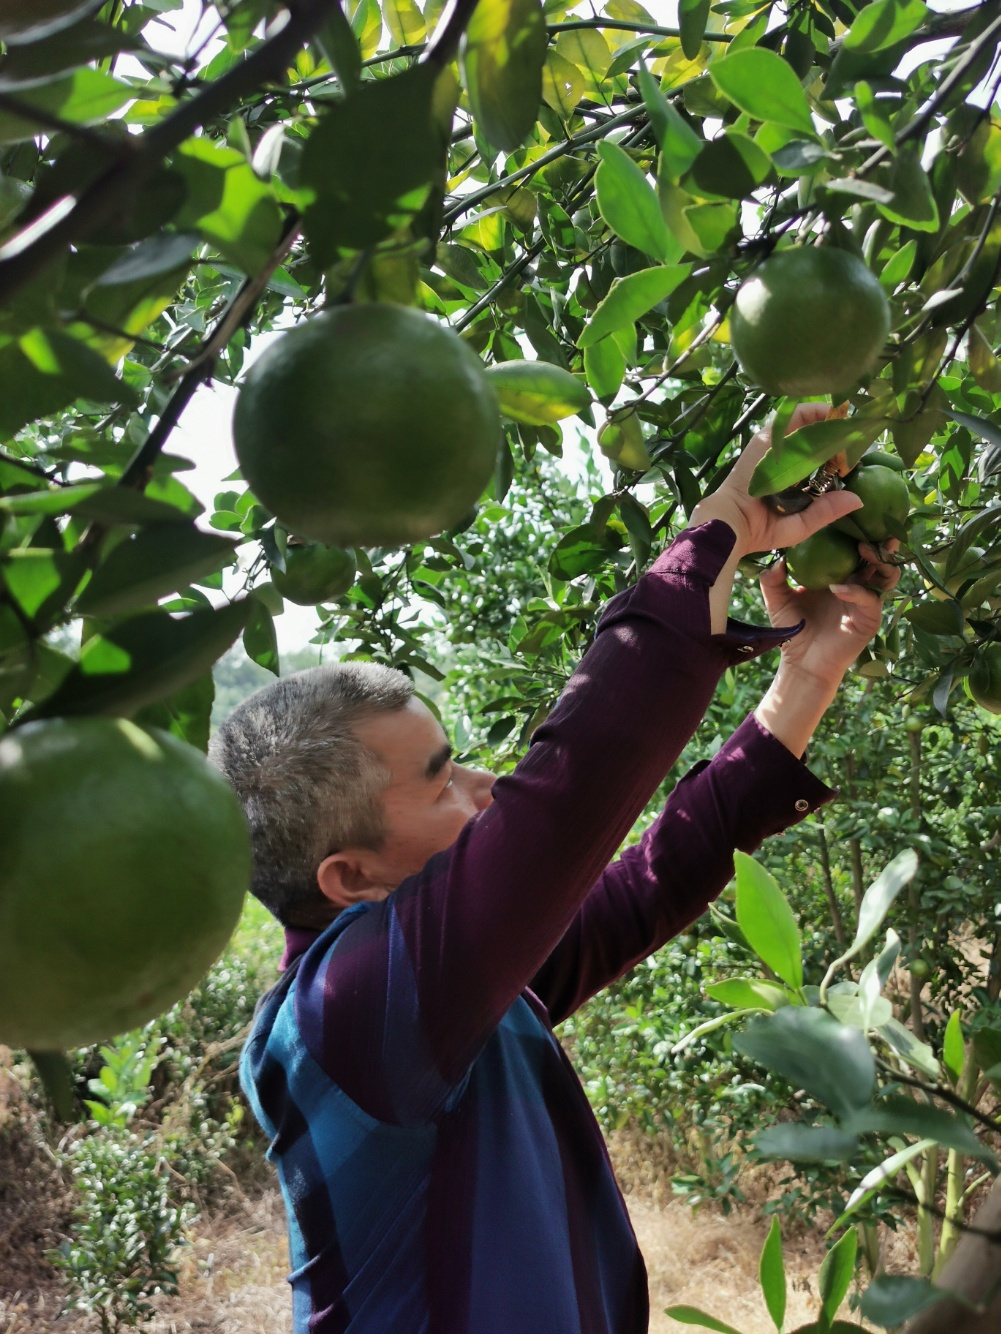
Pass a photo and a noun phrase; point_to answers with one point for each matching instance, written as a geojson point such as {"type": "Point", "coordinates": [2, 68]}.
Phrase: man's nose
{"type": "Point", "coordinates": [479, 783]}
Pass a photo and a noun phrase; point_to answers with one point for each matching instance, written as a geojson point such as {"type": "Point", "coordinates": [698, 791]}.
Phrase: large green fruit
{"type": "Point", "coordinates": [985, 678]}
{"type": "Point", "coordinates": [886, 502]}
{"type": "Point", "coordinates": [314, 574]}
{"type": "Point", "coordinates": [124, 858]}
{"type": "Point", "coordinates": [827, 557]}
{"type": "Point", "coordinates": [369, 425]}
{"type": "Point", "coordinates": [809, 321]}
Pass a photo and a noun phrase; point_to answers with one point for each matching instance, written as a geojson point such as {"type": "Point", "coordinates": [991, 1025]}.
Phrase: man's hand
{"type": "Point", "coordinates": [756, 526]}
{"type": "Point", "coordinates": [840, 620]}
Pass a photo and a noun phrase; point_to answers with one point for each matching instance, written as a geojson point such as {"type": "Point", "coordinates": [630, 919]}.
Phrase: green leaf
{"type": "Point", "coordinates": [404, 21]}
{"type": "Point", "coordinates": [903, 1116]}
{"type": "Point", "coordinates": [502, 55]}
{"type": "Point", "coordinates": [883, 23]}
{"type": "Point", "coordinates": [893, 1299]}
{"type": "Point", "coordinates": [917, 1054]}
{"type": "Point", "coordinates": [370, 162]}
{"type": "Point", "coordinates": [987, 1052]}
{"type": "Point", "coordinates": [953, 1047]}
{"type": "Point", "coordinates": [800, 454]}
{"type": "Point", "coordinates": [94, 500]}
{"type": "Point", "coordinates": [806, 1144]}
{"type": "Point", "coordinates": [732, 166]}
{"type": "Point", "coordinates": [23, 24]}
{"type": "Point", "coordinates": [259, 638]}
{"type": "Point", "coordinates": [879, 897]}
{"type": "Point", "coordinates": [848, 1008]}
{"type": "Point", "coordinates": [886, 1171]}
{"type": "Point", "coordinates": [46, 370]}
{"type": "Point", "coordinates": [835, 1278]}
{"type": "Point", "coordinates": [628, 203]}
{"type": "Point", "coordinates": [581, 551]}
{"type": "Point", "coordinates": [767, 921]}
{"type": "Point", "coordinates": [536, 392]}
{"type": "Point", "coordinates": [144, 659]}
{"type": "Point", "coordinates": [897, 268]}
{"type": "Point", "coordinates": [604, 367]}
{"type": "Point", "coordinates": [693, 15]}
{"type": "Point", "coordinates": [748, 993]}
{"type": "Point", "coordinates": [761, 83]}
{"type": "Point", "coordinates": [772, 1275]}
{"type": "Point", "coordinates": [40, 580]}
{"type": "Point", "coordinates": [630, 297]}
{"type": "Point", "coordinates": [83, 43]}
{"type": "Point", "coordinates": [812, 1051]}
{"type": "Point", "coordinates": [691, 1315]}
{"type": "Point", "coordinates": [228, 203]}
{"type": "Point", "coordinates": [84, 97]}
{"type": "Point", "coordinates": [158, 560]}
{"type": "Point", "coordinates": [160, 254]}
{"type": "Point", "coordinates": [912, 203]}
{"type": "Point", "coordinates": [339, 47]}
{"type": "Point", "coordinates": [874, 116]}
{"type": "Point", "coordinates": [937, 618]}
{"type": "Point", "coordinates": [679, 144]}
{"type": "Point", "coordinates": [563, 84]}
{"type": "Point", "coordinates": [187, 713]}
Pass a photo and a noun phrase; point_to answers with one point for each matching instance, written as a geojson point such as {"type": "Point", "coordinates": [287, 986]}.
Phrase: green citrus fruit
{"type": "Point", "coordinates": [369, 425]}
{"type": "Point", "coordinates": [920, 969]}
{"type": "Point", "coordinates": [30, 20]}
{"type": "Point", "coordinates": [883, 459]}
{"type": "Point", "coordinates": [123, 864]}
{"type": "Point", "coordinates": [826, 557]}
{"type": "Point", "coordinates": [985, 678]}
{"type": "Point", "coordinates": [537, 392]}
{"type": "Point", "coordinates": [809, 321]}
{"type": "Point", "coordinates": [886, 502]}
{"type": "Point", "coordinates": [313, 574]}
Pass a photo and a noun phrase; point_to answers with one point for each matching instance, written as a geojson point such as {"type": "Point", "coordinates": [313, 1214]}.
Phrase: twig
{"type": "Point", "coordinates": [70, 221]}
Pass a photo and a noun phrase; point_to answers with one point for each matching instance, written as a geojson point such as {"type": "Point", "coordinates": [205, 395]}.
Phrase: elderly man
{"type": "Point", "coordinates": [441, 1168]}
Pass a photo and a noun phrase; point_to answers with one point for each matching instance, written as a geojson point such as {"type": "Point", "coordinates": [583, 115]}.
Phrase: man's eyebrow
{"type": "Point", "coordinates": [438, 761]}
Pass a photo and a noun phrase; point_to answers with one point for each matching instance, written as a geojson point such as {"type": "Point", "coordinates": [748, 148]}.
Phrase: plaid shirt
{"type": "Point", "coordinates": [441, 1168]}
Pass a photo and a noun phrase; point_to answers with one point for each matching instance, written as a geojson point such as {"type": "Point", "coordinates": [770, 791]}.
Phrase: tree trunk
{"type": "Point", "coordinates": [973, 1269]}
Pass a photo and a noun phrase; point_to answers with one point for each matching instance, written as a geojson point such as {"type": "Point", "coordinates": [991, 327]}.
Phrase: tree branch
{"type": "Point", "coordinates": [28, 253]}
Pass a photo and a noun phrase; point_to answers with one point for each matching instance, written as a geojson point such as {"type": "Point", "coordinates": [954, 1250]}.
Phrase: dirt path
{"type": "Point", "coordinates": [233, 1275]}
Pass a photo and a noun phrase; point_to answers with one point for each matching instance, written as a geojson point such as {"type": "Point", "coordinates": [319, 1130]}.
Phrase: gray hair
{"type": "Point", "coordinates": [307, 784]}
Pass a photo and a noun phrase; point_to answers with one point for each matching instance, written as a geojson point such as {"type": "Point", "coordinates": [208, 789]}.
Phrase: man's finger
{"type": "Point", "coordinates": [860, 594]}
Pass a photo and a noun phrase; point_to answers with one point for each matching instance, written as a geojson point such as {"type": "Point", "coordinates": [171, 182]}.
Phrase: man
{"type": "Point", "coordinates": [441, 1168]}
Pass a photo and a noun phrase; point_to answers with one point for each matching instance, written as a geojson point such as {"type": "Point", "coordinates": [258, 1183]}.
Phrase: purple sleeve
{"type": "Point", "coordinates": [448, 953]}
{"type": "Point", "coordinates": [752, 788]}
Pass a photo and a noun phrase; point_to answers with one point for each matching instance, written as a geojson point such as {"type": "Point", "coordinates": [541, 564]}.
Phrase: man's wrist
{"type": "Point", "coordinates": [794, 704]}
{"type": "Point", "coordinates": [716, 507]}
{"type": "Point", "coordinates": [794, 679]}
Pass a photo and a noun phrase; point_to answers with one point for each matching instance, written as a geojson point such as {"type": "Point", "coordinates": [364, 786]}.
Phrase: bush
{"type": "Point", "coordinates": [127, 1228]}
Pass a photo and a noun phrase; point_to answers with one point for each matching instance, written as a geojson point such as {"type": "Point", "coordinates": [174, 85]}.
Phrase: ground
{"type": "Point", "coordinates": [232, 1275]}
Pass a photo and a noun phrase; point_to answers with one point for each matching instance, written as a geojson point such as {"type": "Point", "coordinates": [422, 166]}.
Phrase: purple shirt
{"type": "Point", "coordinates": [446, 1174]}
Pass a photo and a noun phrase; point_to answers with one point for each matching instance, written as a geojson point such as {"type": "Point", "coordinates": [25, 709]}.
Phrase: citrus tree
{"type": "Point", "coordinates": [496, 228]}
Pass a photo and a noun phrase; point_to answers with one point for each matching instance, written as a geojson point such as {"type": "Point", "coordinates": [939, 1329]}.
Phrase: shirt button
{"type": "Point", "coordinates": [802, 804]}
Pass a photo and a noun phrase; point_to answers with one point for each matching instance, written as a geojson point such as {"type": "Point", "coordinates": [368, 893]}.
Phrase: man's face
{"type": "Point", "coordinates": [429, 797]}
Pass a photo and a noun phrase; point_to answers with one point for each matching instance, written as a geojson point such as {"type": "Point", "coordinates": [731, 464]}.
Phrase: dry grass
{"type": "Point", "coordinates": [232, 1275]}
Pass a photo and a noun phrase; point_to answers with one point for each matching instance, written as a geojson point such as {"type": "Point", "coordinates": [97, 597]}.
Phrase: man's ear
{"type": "Point", "coordinates": [344, 878]}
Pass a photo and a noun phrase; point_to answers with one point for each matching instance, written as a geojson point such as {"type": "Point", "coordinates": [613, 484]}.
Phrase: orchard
{"type": "Point", "coordinates": [529, 274]}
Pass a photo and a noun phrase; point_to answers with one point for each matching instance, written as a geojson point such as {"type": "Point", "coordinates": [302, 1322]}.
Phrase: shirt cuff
{"type": "Point", "coordinates": [700, 553]}
{"type": "Point", "coordinates": [756, 775]}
